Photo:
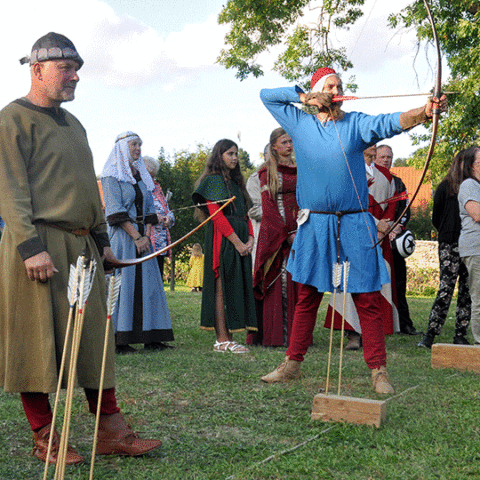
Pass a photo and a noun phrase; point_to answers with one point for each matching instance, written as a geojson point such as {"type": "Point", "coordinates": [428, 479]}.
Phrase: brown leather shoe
{"type": "Point", "coordinates": [286, 371]}
{"type": "Point", "coordinates": [354, 341]}
{"type": "Point", "coordinates": [115, 437]}
{"type": "Point", "coordinates": [380, 380]}
{"type": "Point", "coordinates": [40, 447]}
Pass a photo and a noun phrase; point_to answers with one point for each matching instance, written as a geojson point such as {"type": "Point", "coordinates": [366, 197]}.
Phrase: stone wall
{"type": "Point", "coordinates": [423, 269]}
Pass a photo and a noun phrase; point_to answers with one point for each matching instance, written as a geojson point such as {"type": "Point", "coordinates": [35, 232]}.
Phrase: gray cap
{"type": "Point", "coordinates": [52, 46]}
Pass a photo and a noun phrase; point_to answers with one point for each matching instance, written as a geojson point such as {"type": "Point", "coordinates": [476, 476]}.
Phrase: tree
{"type": "Point", "coordinates": [258, 25]}
{"type": "Point", "coordinates": [458, 30]}
{"type": "Point", "coordinates": [179, 175]}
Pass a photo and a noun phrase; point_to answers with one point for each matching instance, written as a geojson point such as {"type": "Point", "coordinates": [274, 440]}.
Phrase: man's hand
{"type": "Point", "coordinates": [393, 234]}
{"type": "Point", "coordinates": [383, 226]}
{"type": "Point", "coordinates": [434, 102]}
{"type": "Point", "coordinates": [40, 267]}
{"type": "Point", "coordinates": [108, 258]}
{"type": "Point", "coordinates": [317, 99]}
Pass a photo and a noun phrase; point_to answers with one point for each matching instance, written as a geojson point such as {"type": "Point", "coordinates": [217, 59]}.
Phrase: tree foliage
{"type": "Point", "coordinates": [258, 25]}
{"type": "Point", "coordinates": [178, 174]}
{"type": "Point", "coordinates": [458, 30]}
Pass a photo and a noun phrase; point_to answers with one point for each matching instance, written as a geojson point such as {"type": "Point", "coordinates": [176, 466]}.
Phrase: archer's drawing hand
{"type": "Point", "coordinates": [317, 99]}
{"type": "Point", "coordinates": [40, 267]}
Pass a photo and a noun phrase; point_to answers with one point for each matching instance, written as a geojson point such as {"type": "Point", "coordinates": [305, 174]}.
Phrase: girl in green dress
{"type": "Point", "coordinates": [227, 298]}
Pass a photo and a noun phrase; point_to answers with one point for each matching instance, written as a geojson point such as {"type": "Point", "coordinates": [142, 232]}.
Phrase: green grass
{"type": "Point", "coordinates": [218, 421]}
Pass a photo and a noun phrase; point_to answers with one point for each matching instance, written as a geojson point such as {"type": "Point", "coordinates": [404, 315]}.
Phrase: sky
{"type": "Point", "coordinates": [150, 67]}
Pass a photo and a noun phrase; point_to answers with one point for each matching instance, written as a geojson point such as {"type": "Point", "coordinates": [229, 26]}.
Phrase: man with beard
{"type": "Point", "coordinates": [50, 201]}
{"type": "Point", "coordinates": [334, 224]}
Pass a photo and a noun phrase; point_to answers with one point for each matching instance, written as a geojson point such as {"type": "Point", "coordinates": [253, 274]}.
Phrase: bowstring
{"type": "Point", "coordinates": [353, 180]}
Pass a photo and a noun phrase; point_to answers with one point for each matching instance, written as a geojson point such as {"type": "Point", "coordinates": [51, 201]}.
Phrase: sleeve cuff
{"type": "Point", "coordinates": [118, 218]}
{"type": "Point", "coordinates": [101, 240]}
{"type": "Point", "coordinates": [30, 248]}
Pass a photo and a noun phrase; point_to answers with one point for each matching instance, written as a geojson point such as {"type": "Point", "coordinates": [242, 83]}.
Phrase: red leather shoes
{"type": "Point", "coordinates": [40, 447]}
{"type": "Point", "coordinates": [115, 437]}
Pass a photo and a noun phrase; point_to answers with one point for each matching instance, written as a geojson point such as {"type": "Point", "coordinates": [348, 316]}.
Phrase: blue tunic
{"type": "Point", "coordinates": [324, 183]}
{"type": "Point", "coordinates": [156, 327]}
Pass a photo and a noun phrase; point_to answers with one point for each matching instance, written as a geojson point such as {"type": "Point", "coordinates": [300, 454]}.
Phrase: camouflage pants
{"type": "Point", "coordinates": [451, 268]}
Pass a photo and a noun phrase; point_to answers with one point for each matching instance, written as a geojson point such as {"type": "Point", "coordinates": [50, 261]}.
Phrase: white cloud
{"type": "Point", "coordinates": [119, 50]}
{"type": "Point", "coordinates": [197, 45]}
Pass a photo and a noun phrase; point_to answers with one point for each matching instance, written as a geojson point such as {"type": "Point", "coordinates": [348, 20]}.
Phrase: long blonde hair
{"type": "Point", "coordinates": [272, 162]}
{"type": "Point", "coordinates": [197, 250]}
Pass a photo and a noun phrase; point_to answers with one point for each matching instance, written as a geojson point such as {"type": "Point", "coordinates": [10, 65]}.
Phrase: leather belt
{"type": "Point", "coordinates": [81, 232]}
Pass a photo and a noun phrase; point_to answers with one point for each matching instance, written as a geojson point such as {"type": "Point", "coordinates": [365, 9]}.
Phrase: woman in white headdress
{"type": "Point", "coordinates": [142, 313]}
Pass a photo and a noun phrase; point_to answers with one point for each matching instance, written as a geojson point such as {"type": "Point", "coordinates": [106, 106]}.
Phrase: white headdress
{"type": "Point", "coordinates": [119, 160]}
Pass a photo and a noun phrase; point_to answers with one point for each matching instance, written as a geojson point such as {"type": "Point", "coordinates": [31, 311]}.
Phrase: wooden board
{"type": "Point", "coordinates": [338, 408]}
{"type": "Point", "coordinates": [460, 357]}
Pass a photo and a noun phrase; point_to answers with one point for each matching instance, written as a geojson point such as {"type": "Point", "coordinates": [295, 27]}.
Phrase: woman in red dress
{"type": "Point", "coordinates": [274, 289]}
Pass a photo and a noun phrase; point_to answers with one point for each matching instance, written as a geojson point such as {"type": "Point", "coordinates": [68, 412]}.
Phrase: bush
{"type": "Point", "coordinates": [422, 281]}
{"type": "Point", "coordinates": [421, 221]}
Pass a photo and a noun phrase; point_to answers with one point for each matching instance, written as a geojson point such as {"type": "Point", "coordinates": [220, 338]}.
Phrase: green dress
{"type": "Point", "coordinates": [234, 270]}
{"type": "Point", "coordinates": [48, 179]}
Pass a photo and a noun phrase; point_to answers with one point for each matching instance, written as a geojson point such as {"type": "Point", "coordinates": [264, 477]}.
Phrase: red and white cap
{"type": "Point", "coordinates": [319, 77]}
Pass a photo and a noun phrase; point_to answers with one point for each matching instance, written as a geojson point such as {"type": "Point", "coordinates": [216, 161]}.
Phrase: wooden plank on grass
{"type": "Point", "coordinates": [338, 408]}
{"type": "Point", "coordinates": [460, 357]}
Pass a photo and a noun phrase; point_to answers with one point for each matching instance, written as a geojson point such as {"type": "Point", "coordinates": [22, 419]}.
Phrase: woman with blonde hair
{"type": "Point", "coordinates": [275, 291]}
{"type": "Point", "coordinates": [195, 276]}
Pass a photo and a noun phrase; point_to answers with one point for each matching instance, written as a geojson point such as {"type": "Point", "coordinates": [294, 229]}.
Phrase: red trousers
{"type": "Point", "coordinates": [371, 322]}
{"type": "Point", "coordinates": [39, 413]}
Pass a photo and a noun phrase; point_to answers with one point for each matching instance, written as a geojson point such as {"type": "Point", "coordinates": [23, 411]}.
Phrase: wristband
{"type": "Point", "coordinates": [138, 238]}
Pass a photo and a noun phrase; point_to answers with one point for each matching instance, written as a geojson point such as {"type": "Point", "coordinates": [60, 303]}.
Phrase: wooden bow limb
{"type": "Point", "coordinates": [135, 261]}
{"type": "Point", "coordinates": [346, 272]}
{"type": "Point", "coordinates": [72, 297]}
{"type": "Point", "coordinates": [84, 290]}
{"type": "Point", "coordinates": [114, 283]}
{"type": "Point", "coordinates": [437, 93]}
{"type": "Point", "coordinates": [336, 279]}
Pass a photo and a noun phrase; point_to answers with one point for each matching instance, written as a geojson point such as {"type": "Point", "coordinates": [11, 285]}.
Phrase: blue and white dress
{"type": "Point", "coordinates": [142, 314]}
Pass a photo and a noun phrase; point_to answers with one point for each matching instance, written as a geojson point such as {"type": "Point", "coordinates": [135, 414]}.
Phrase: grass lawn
{"type": "Point", "coordinates": [217, 420]}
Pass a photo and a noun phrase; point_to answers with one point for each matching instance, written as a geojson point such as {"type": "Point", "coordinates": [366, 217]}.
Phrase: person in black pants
{"type": "Point", "coordinates": [446, 219]}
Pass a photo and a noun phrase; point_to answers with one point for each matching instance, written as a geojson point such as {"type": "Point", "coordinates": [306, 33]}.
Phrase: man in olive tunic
{"type": "Point", "coordinates": [50, 200]}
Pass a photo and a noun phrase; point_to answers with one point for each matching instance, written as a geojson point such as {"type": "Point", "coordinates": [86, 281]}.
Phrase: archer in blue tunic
{"type": "Point", "coordinates": [332, 193]}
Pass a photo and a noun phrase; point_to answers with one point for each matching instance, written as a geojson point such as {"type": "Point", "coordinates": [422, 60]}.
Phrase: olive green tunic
{"type": "Point", "coordinates": [47, 177]}
{"type": "Point", "coordinates": [235, 270]}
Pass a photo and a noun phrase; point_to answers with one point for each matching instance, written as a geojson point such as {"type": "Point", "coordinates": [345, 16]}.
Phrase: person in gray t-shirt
{"type": "Point", "coordinates": [469, 241]}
